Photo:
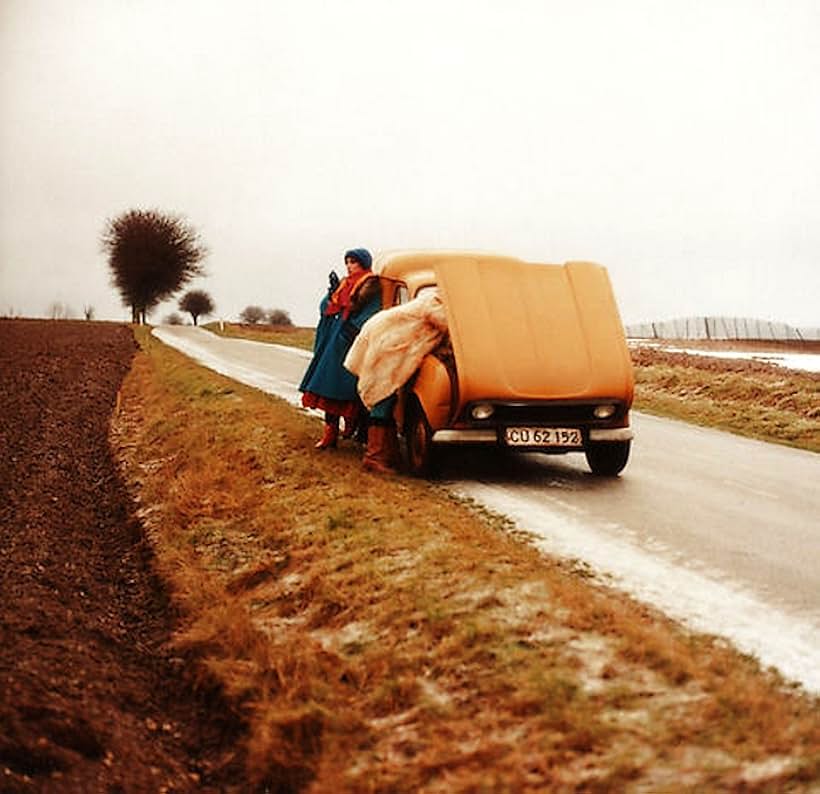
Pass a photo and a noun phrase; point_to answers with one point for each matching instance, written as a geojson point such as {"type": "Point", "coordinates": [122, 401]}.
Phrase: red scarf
{"type": "Point", "coordinates": [341, 300]}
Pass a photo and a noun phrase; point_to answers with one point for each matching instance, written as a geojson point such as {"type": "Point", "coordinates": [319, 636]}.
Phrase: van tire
{"type": "Point", "coordinates": [607, 458]}
{"type": "Point", "coordinates": [419, 441]}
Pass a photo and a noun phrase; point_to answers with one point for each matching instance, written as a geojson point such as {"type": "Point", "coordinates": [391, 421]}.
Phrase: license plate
{"type": "Point", "coordinates": [543, 437]}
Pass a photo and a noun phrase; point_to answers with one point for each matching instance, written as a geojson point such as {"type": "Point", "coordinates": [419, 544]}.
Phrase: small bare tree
{"type": "Point", "coordinates": [252, 315]}
{"type": "Point", "coordinates": [88, 311]}
{"type": "Point", "coordinates": [279, 317]}
{"type": "Point", "coordinates": [197, 302]}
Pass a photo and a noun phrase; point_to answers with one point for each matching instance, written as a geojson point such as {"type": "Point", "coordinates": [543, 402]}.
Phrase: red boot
{"type": "Point", "coordinates": [331, 434]}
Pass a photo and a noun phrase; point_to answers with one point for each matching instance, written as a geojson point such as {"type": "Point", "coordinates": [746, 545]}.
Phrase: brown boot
{"type": "Point", "coordinates": [378, 454]}
{"type": "Point", "coordinates": [392, 440]}
{"type": "Point", "coordinates": [331, 434]}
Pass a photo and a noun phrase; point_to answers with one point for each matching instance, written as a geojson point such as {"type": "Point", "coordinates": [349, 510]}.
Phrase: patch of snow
{"type": "Point", "coordinates": [354, 633]}
{"type": "Point", "coordinates": [761, 771]}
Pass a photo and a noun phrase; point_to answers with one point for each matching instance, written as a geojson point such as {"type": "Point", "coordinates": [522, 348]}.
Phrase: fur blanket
{"type": "Point", "coordinates": [393, 343]}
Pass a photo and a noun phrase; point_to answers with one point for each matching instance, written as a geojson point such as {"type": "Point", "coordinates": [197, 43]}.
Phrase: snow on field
{"type": "Point", "coordinates": [808, 362]}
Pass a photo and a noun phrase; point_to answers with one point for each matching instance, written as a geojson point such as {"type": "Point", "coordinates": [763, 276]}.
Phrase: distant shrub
{"type": "Point", "coordinates": [252, 315]}
{"type": "Point", "coordinates": [279, 317]}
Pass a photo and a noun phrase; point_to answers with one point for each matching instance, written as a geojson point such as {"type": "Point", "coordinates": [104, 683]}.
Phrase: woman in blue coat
{"type": "Point", "coordinates": [327, 385]}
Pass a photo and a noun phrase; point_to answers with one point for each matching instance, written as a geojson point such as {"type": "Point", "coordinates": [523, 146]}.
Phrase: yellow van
{"type": "Point", "coordinates": [536, 359]}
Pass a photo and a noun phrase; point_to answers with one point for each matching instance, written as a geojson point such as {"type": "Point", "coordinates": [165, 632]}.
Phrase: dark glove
{"type": "Point", "coordinates": [333, 281]}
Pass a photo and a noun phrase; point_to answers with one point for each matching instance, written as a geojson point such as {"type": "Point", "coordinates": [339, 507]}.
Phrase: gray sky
{"type": "Point", "coordinates": [678, 143]}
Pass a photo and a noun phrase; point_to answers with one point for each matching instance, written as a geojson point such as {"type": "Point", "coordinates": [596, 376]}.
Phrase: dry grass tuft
{"type": "Point", "coordinates": [379, 635]}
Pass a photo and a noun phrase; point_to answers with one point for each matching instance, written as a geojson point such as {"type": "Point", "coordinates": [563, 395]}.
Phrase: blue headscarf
{"type": "Point", "coordinates": [362, 256]}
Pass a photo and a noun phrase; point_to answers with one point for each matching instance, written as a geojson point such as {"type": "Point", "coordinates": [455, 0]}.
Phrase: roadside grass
{"type": "Point", "coordinates": [753, 399]}
{"type": "Point", "coordinates": [379, 634]}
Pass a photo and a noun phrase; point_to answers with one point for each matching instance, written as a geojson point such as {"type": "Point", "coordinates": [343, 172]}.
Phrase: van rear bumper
{"type": "Point", "coordinates": [480, 436]}
{"type": "Point", "coordinates": [489, 436]}
{"type": "Point", "coordinates": [612, 434]}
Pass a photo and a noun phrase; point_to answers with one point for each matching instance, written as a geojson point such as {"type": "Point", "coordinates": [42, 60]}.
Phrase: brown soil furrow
{"type": "Point", "coordinates": [91, 697]}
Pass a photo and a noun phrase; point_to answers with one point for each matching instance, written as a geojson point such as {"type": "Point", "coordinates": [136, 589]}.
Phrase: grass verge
{"type": "Point", "coordinates": [379, 635]}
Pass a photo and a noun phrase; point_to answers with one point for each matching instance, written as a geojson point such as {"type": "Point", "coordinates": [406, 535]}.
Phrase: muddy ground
{"type": "Point", "coordinates": [92, 698]}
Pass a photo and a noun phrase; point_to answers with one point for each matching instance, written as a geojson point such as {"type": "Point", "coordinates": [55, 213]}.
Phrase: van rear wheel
{"type": "Point", "coordinates": [607, 458]}
{"type": "Point", "coordinates": [419, 439]}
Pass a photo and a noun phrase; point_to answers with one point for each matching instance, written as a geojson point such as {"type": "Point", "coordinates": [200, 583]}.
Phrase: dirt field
{"type": "Point", "coordinates": [91, 697]}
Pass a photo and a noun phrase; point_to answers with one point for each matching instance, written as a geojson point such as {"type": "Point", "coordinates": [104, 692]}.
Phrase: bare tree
{"type": "Point", "coordinates": [197, 302]}
{"type": "Point", "coordinates": [252, 315]}
{"type": "Point", "coordinates": [279, 317]}
{"type": "Point", "coordinates": [151, 255]}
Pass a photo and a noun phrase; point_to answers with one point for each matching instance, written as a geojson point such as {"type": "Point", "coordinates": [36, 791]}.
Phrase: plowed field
{"type": "Point", "coordinates": [92, 698]}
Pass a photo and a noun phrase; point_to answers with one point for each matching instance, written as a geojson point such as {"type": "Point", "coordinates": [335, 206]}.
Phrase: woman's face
{"type": "Point", "coordinates": [353, 266]}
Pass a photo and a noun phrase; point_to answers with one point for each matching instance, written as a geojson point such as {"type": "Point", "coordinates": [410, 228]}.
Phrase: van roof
{"type": "Point", "coordinates": [397, 264]}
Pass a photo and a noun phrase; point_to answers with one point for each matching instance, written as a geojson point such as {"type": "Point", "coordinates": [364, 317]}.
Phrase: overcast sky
{"type": "Point", "coordinates": [678, 143]}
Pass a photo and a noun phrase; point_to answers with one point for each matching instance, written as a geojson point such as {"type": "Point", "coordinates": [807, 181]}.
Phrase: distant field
{"type": "Point", "coordinates": [747, 397]}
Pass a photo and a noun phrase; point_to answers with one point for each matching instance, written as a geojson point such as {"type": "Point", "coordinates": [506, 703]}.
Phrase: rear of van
{"type": "Point", "coordinates": [526, 332]}
{"type": "Point", "coordinates": [537, 359]}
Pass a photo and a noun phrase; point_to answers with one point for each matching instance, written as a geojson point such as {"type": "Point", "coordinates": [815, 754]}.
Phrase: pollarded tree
{"type": "Point", "coordinates": [196, 302]}
{"type": "Point", "coordinates": [151, 255]}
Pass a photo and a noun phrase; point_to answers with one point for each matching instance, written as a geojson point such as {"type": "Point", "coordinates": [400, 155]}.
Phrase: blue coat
{"type": "Point", "coordinates": [325, 375]}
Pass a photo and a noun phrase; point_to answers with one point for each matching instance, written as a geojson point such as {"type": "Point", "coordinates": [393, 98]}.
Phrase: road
{"type": "Point", "coordinates": [721, 532]}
